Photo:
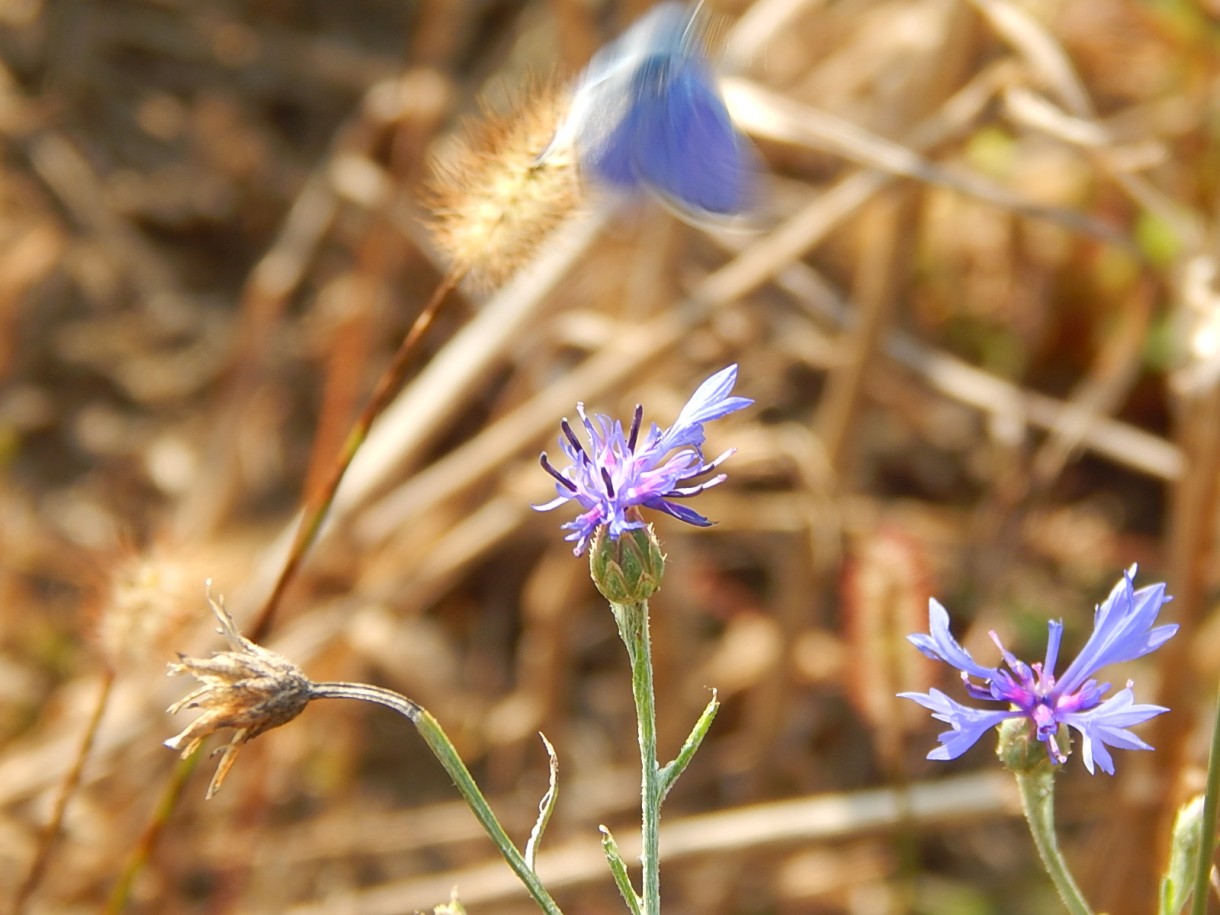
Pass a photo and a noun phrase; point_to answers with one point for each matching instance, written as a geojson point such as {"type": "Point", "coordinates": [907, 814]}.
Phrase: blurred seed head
{"type": "Point", "coordinates": [141, 602]}
{"type": "Point", "coordinates": [494, 200]}
{"type": "Point", "coordinates": [247, 688]}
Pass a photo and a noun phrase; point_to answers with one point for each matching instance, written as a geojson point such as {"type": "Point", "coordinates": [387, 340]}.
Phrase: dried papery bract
{"type": "Point", "coordinates": [247, 688]}
{"type": "Point", "coordinates": [494, 200]}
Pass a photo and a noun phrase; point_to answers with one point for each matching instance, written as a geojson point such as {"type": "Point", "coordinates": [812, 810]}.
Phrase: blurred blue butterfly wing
{"type": "Point", "coordinates": [611, 154]}
{"type": "Point", "coordinates": [686, 148]}
{"type": "Point", "coordinates": [646, 113]}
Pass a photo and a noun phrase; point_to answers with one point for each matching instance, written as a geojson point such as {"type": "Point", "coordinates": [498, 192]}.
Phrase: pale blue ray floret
{"type": "Point", "coordinates": [1122, 631]}
{"type": "Point", "coordinates": [618, 472]}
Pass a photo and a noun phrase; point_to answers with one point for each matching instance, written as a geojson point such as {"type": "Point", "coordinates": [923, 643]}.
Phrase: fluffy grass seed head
{"type": "Point", "coordinates": [495, 199]}
{"type": "Point", "coordinates": [141, 601]}
{"type": "Point", "coordinates": [247, 688]}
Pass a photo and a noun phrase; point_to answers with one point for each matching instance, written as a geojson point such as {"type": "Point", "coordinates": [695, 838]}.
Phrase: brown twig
{"type": "Point", "coordinates": [318, 502]}
{"type": "Point", "coordinates": [50, 832]}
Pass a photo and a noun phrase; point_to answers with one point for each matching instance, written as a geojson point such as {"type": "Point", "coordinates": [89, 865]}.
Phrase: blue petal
{"type": "Point", "coordinates": [940, 645]}
{"type": "Point", "coordinates": [646, 113]}
{"type": "Point", "coordinates": [710, 401]}
{"type": "Point", "coordinates": [1121, 631]}
{"type": "Point", "coordinates": [968, 724]}
{"type": "Point", "coordinates": [1106, 725]}
{"type": "Point", "coordinates": [681, 512]}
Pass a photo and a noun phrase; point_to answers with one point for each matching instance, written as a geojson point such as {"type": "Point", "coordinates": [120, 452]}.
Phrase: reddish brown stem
{"type": "Point", "coordinates": [319, 501]}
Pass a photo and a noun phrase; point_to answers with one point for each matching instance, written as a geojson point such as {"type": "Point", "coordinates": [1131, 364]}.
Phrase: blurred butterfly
{"type": "Point", "coordinates": [646, 114]}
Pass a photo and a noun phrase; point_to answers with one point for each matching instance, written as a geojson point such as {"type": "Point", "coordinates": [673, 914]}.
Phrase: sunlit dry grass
{"type": "Point", "coordinates": [979, 326]}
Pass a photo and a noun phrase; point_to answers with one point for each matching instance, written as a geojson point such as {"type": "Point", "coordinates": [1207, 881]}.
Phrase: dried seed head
{"type": "Point", "coordinates": [247, 688]}
{"type": "Point", "coordinates": [495, 198]}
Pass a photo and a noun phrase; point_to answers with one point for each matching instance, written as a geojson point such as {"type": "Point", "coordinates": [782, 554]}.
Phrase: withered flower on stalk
{"type": "Point", "coordinates": [247, 688]}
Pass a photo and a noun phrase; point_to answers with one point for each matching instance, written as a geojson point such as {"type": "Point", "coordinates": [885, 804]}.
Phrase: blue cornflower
{"type": "Point", "coordinates": [1122, 631]}
{"type": "Point", "coordinates": [620, 472]}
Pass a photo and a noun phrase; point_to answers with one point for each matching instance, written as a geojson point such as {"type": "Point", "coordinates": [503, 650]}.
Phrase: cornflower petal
{"type": "Point", "coordinates": [681, 512]}
{"type": "Point", "coordinates": [1107, 725]}
{"type": "Point", "coordinates": [646, 114]}
{"type": "Point", "coordinates": [968, 724]}
{"type": "Point", "coordinates": [1121, 630]}
{"type": "Point", "coordinates": [940, 645]}
{"type": "Point", "coordinates": [711, 400]}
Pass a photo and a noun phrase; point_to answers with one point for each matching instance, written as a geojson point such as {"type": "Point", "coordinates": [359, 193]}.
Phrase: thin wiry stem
{"type": "Point", "coordinates": [1207, 829]}
{"type": "Point", "coordinates": [442, 748]}
{"type": "Point", "coordinates": [318, 503]}
{"type": "Point", "coordinates": [142, 853]}
{"type": "Point", "coordinates": [50, 833]}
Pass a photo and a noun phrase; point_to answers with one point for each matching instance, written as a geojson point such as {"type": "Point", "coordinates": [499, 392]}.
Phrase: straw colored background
{"type": "Point", "coordinates": [979, 325]}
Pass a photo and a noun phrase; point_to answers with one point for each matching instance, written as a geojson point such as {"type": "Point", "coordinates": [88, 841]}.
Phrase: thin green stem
{"type": "Point", "coordinates": [442, 748]}
{"type": "Point", "coordinates": [1207, 829]}
{"type": "Point", "coordinates": [632, 621]}
{"type": "Point", "coordinates": [1037, 790]}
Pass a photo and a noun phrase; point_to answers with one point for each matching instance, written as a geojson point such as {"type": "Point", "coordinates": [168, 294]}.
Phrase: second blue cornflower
{"type": "Point", "coordinates": [1123, 630]}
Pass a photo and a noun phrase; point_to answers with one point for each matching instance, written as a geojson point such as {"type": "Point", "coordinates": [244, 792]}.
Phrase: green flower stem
{"type": "Point", "coordinates": [442, 748]}
{"type": "Point", "coordinates": [632, 619]}
{"type": "Point", "coordinates": [1207, 831]}
{"type": "Point", "coordinates": [1037, 790]}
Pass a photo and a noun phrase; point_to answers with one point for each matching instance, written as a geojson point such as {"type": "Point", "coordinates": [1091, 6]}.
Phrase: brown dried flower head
{"type": "Point", "coordinates": [494, 200]}
{"type": "Point", "coordinates": [247, 688]}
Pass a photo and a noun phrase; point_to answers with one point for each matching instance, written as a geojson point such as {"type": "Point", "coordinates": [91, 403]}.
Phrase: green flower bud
{"type": "Point", "coordinates": [627, 570]}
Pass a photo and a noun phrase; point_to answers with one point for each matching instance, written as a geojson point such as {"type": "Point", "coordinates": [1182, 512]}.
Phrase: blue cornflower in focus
{"type": "Point", "coordinates": [620, 472]}
{"type": "Point", "coordinates": [1122, 631]}
{"type": "Point", "coordinates": [646, 114]}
